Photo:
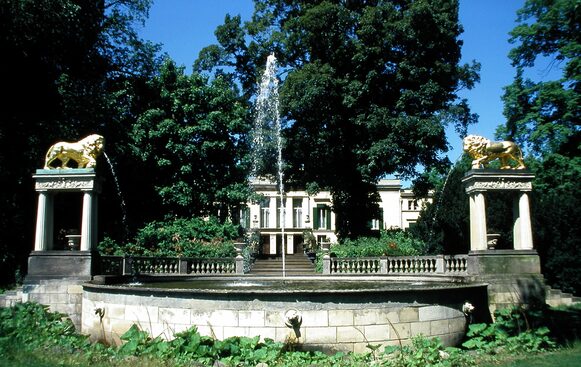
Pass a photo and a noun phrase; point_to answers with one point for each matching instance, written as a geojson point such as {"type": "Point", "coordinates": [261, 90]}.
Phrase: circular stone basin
{"type": "Point", "coordinates": [335, 313]}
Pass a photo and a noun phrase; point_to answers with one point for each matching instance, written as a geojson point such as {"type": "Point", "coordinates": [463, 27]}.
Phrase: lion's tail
{"type": "Point", "coordinates": [520, 156]}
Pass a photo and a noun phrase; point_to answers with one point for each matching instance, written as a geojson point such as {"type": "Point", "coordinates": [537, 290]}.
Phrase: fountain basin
{"type": "Point", "coordinates": [337, 314]}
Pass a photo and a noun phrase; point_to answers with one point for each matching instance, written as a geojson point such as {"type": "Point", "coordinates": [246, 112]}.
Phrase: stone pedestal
{"type": "Point", "coordinates": [502, 262]}
{"type": "Point", "coordinates": [46, 263]}
{"type": "Point", "coordinates": [77, 265]}
{"type": "Point", "coordinates": [513, 277]}
{"type": "Point", "coordinates": [480, 182]}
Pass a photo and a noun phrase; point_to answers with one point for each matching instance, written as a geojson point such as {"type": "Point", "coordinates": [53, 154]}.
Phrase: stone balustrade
{"type": "Point", "coordinates": [404, 265]}
{"type": "Point", "coordinates": [131, 265]}
{"type": "Point", "coordinates": [437, 264]}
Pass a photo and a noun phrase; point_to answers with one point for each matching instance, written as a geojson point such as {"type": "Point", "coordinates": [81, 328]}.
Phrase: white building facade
{"type": "Point", "coordinates": [313, 213]}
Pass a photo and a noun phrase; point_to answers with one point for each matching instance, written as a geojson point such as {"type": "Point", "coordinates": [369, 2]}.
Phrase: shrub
{"type": "Point", "coordinates": [510, 332]}
{"type": "Point", "coordinates": [31, 325]}
{"type": "Point", "coordinates": [393, 242]}
{"type": "Point", "coordinates": [188, 237]}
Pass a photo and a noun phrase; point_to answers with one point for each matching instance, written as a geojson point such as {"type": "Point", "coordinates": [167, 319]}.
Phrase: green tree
{"type": "Point", "coordinates": [191, 141]}
{"type": "Point", "coordinates": [544, 117]}
{"type": "Point", "coordinates": [368, 89]}
{"type": "Point", "coordinates": [67, 66]}
{"type": "Point", "coordinates": [557, 219]}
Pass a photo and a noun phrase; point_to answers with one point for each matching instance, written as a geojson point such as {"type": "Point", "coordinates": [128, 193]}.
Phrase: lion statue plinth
{"type": "Point", "coordinates": [84, 153]}
{"type": "Point", "coordinates": [483, 151]}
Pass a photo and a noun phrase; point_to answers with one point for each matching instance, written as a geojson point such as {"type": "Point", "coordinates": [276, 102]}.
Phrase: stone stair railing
{"type": "Point", "coordinates": [131, 265]}
{"type": "Point", "coordinates": [404, 265]}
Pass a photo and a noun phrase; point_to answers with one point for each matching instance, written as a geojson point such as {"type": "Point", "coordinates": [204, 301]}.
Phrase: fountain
{"type": "Point", "coordinates": [380, 301]}
{"type": "Point", "coordinates": [267, 139]}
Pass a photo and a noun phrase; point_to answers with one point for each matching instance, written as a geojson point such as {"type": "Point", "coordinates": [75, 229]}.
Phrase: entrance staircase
{"type": "Point", "coordinates": [556, 297]}
{"type": "Point", "coordinates": [296, 265]}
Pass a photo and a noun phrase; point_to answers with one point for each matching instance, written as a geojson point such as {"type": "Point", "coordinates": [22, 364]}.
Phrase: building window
{"type": "Point", "coordinates": [245, 217]}
{"type": "Point", "coordinates": [264, 213]}
{"type": "Point", "coordinates": [412, 205]}
{"type": "Point", "coordinates": [297, 213]}
{"type": "Point", "coordinates": [377, 223]}
{"type": "Point", "coordinates": [322, 217]}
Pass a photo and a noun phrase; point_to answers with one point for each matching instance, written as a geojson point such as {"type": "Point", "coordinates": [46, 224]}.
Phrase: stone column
{"type": "Point", "coordinates": [477, 222]}
{"type": "Point", "coordinates": [290, 244]}
{"type": "Point", "coordinates": [272, 244]}
{"type": "Point", "coordinates": [43, 240]}
{"type": "Point", "coordinates": [87, 222]}
{"type": "Point", "coordinates": [95, 222]}
{"type": "Point", "coordinates": [272, 212]}
{"type": "Point", "coordinates": [522, 232]}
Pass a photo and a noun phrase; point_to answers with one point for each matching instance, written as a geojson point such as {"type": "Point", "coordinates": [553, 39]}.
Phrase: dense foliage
{"type": "Point", "coordinates": [545, 117]}
{"type": "Point", "coordinates": [557, 219]}
{"type": "Point", "coordinates": [510, 331]}
{"type": "Point", "coordinates": [29, 327]}
{"type": "Point", "coordinates": [368, 89]}
{"type": "Point", "coordinates": [188, 237]}
{"type": "Point", "coordinates": [389, 243]}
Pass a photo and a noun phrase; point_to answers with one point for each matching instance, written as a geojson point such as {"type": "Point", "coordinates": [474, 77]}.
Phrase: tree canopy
{"type": "Point", "coordinates": [367, 92]}
{"type": "Point", "coordinates": [545, 116]}
{"type": "Point", "coordinates": [190, 138]}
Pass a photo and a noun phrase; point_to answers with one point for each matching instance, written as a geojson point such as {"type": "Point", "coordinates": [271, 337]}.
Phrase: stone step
{"type": "Point", "coordinates": [297, 264]}
{"type": "Point", "coordinates": [556, 297]}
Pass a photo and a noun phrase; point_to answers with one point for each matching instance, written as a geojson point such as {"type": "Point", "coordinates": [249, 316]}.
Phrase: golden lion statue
{"type": "Point", "coordinates": [482, 151]}
{"type": "Point", "coordinates": [84, 152]}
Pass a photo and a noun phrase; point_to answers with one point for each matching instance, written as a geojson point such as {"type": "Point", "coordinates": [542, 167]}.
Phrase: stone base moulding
{"type": "Point", "coordinates": [493, 262]}
{"type": "Point", "coordinates": [43, 265]}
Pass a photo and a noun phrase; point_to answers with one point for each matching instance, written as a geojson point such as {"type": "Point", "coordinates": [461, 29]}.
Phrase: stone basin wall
{"type": "Point", "coordinates": [330, 322]}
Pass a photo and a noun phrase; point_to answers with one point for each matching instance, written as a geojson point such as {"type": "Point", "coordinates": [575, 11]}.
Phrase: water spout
{"type": "Point", "coordinates": [267, 140]}
{"type": "Point", "coordinates": [120, 195]}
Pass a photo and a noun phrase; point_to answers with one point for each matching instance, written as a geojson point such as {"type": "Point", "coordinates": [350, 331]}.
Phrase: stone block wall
{"type": "Point", "coordinates": [325, 325]}
{"type": "Point", "coordinates": [61, 295]}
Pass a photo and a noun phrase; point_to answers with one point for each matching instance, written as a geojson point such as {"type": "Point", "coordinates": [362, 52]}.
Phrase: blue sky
{"type": "Point", "coordinates": [184, 27]}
